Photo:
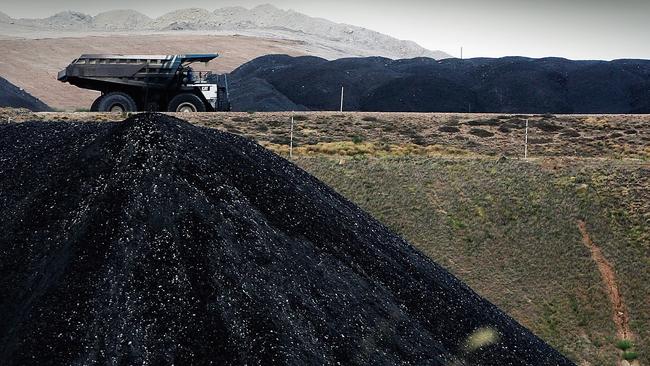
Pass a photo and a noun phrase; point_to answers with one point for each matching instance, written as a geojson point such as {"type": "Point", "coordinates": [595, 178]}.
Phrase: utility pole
{"type": "Point", "coordinates": [461, 52]}
{"type": "Point", "coordinates": [526, 142]}
{"type": "Point", "coordinates": [341, 99]}
{"type": "Point", "coordinates": [291, 138]}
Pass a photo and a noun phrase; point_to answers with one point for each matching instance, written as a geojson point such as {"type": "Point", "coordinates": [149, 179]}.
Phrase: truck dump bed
{"type": "Point", "coordinates": [146, 71]}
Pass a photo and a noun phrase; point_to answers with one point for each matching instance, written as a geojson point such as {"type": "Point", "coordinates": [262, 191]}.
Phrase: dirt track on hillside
{"type": "Point", "coordinates": [620, 314]}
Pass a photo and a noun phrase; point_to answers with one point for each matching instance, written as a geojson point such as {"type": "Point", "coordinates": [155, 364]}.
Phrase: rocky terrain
{"type": "Point", "coordinates": [335, 40]}
{"type": "Point", "coordinates": [503, 85]}
{"type": "Point", "coordinates": [14, 97]}
{"type": "Point", "coordinates": [152, 241]}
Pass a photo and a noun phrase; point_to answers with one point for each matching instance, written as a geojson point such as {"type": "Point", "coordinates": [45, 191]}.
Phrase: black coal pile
{"type": "Point", "coordinates": [499, 85]}
{"type": "Point", "coordinates": [155, 242]}
{"type": "Point", "coordinates": [14, 97]}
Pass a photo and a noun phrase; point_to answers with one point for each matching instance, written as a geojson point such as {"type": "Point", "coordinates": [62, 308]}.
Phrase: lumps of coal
{"type": "Point", "coordinates": [156, 242]}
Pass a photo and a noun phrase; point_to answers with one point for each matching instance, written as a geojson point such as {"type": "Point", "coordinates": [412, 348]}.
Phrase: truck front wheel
{"type": "Point", "coordinates": [186, 102]}
{"type": "Point", "coordinates": [116, 102]}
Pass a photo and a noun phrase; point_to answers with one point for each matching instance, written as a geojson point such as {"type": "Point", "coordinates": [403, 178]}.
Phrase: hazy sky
{"type": "Point", "coordinates": [577, 29]}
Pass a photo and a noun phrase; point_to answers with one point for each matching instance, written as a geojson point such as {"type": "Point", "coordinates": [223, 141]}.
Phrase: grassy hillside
{"type": "Point", "coordinates": [509, 229]}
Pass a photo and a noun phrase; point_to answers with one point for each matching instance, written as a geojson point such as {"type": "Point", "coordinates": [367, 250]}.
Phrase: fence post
{"type": "Point", "coordinates": [291, 138]}
{"type": "Point", "coordinates": [526, 142]}
{"type": "Point", "coordinates": [341, 99]}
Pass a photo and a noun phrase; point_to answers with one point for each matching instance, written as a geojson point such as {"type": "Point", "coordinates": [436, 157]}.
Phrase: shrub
{"type": "Point", "coordinates": [624, 344]}
{"type": "Point", "coordinates": [548, 126]}
{"type": "Point", "coordinates": [484, 122]}
{"type": "Point", "coordinates": [280, 140]}
{"type": "Point", "coordinates": [241, 119]}
{"type": "Point", "coordinates": [300, 117]}
{"type": "Point", "coordinates": [481, 132]}
{"type": "Point", "coordinates": [357, 139]}
{"type": "Point", "coordinates": [370, 119]}
{"type": "Point", "coordinates": [419, 140]}
{"type": "Point", "coordinates": [570, 133]}
{"type": "Point", "coordinates": [449, 129]}
{"type": "Point", "coordinates": [630, 355]}
{"type": "Point", "coordinates": [517, 123]}
{"type": "Point", "coordinates": [539, 141]}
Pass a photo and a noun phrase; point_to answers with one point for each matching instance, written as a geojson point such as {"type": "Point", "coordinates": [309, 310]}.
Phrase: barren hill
{"type": "Point", "coordinates": [262, 21]}
{"type": "Point", "coordinates": [119, 20]}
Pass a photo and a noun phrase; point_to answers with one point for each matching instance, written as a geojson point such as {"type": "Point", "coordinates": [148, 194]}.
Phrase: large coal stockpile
{"type": "Point", "coordinates": [499, 85]}
{"type": "Point", "coordinates": [155, 242]}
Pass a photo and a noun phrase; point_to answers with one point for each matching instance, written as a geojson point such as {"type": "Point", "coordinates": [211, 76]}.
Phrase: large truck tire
{"type": "Point", "coordinates": [95, 106]}
{"type": "Point", "coordinates": [116, 102]}
{"type": "Point", "coordinates": [186, 102]}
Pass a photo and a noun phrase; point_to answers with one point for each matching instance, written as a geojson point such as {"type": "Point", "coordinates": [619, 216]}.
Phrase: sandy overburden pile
{"type": "Point", "coordinates": [153, 241]}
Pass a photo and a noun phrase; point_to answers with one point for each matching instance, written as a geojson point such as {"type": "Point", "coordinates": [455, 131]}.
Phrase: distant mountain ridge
{"type": "Point", "coordinates": [263, 20]}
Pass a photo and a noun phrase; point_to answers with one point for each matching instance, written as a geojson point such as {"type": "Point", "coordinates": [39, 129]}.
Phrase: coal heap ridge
{"type": "Point", "coordinates": [14, 97]}
{"type": "Point", "coordinates": [153, 241]}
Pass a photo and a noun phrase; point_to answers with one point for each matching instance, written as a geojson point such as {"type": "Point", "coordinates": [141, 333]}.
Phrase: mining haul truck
{"type": "Point", "coordinates": [131, 83]}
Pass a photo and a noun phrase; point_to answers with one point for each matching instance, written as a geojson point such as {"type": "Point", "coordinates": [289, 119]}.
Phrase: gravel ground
{"type": "Point", "coordinates": [153, 241]}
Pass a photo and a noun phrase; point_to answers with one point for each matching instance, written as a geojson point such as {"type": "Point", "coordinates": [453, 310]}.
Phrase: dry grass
{"type": "Point", "coordinates": [605, 136]}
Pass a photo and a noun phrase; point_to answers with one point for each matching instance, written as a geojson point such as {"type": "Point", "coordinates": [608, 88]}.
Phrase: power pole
{"type": "Point", "coordinates": [341, 99]}
{"type": "Point", "coordinates": [461, 52]}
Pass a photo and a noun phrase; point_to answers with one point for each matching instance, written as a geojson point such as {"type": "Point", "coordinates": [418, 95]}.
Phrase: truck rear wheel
{"type": "Point", "coordinates": [116, 102]}
{"type": "Point", "coordinates": [186, 102]}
